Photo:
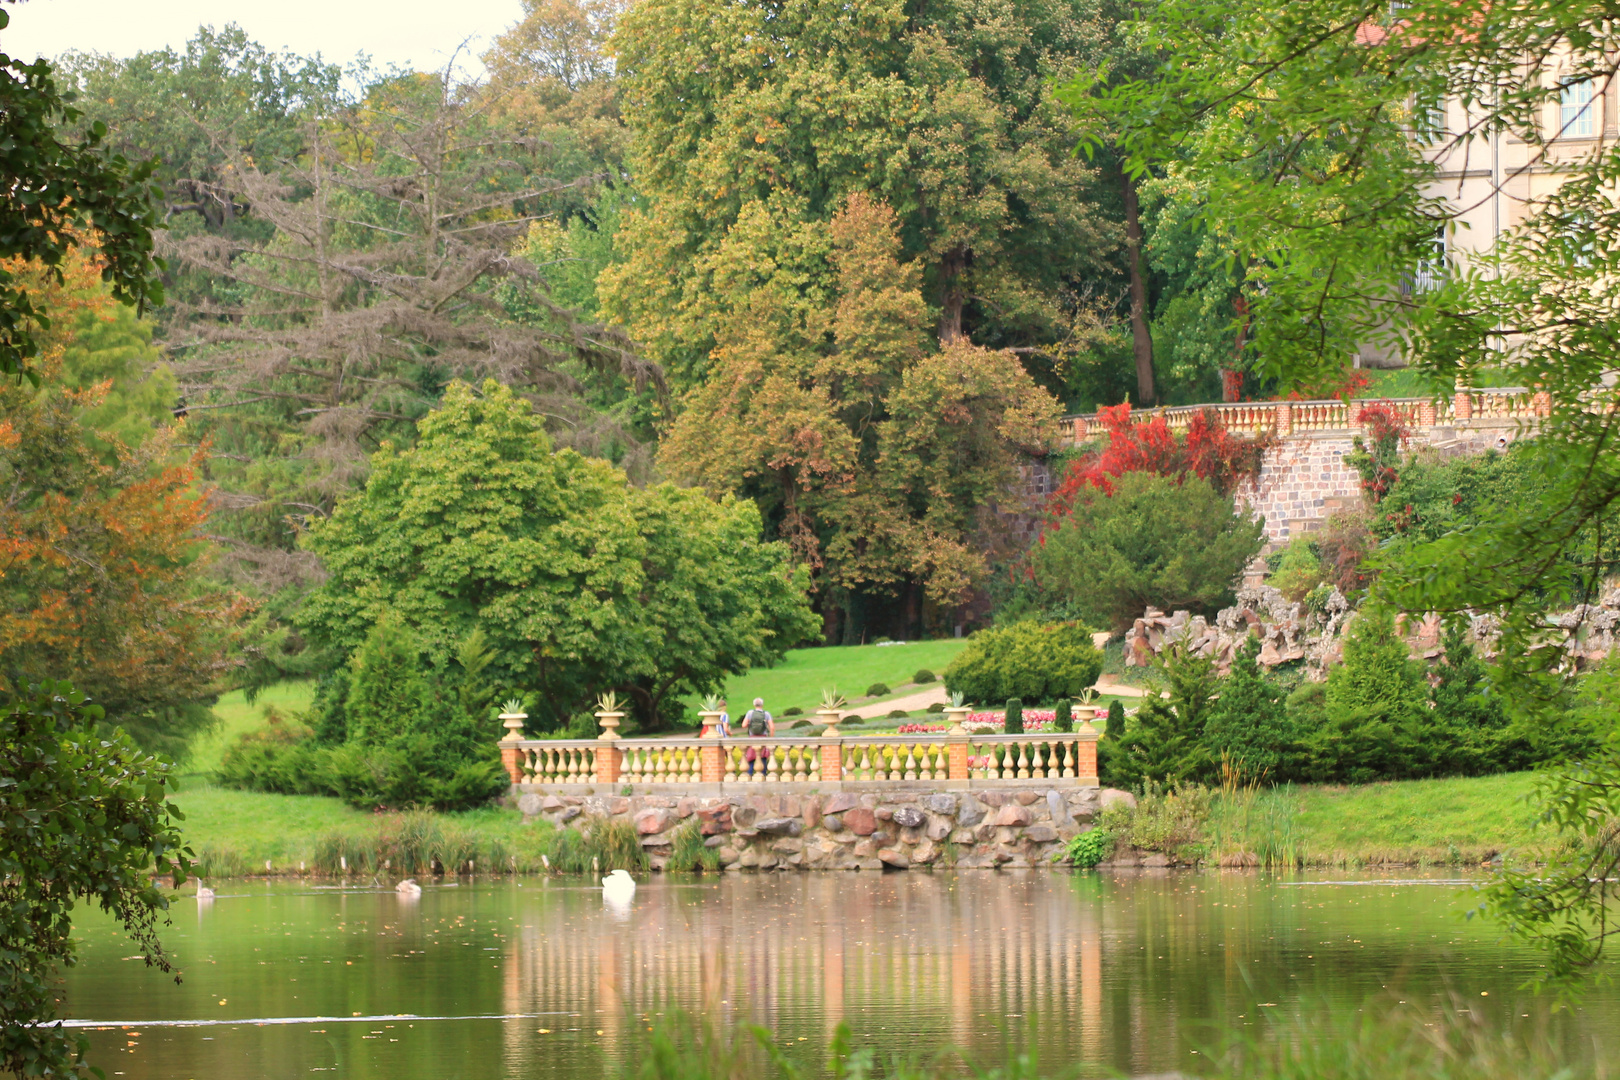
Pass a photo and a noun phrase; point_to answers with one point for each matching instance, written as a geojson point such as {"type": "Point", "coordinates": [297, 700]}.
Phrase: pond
{"type": "Point", "coordinates": [534, 977]}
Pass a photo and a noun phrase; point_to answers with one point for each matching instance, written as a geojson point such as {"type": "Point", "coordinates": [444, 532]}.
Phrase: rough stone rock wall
{"type": "Point", "coordinates": [868, 830]}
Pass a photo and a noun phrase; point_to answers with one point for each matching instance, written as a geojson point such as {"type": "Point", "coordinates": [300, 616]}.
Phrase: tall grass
{"type": "Point", "coordinates": [410, 844]}
{"type": "Point", "coordinates": [606, 845]}
{"type": "Point", "coordinates": [1255, 824]}
{"type": "Point", "coordinates": [687, 852]}
{"type": "Point", "coordinates": [1380, 1041]}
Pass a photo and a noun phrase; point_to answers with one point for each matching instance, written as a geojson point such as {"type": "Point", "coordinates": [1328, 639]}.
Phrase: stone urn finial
{"type": "Point", "coordinates": [512, 717]}
{"type": "Point", "coordinates": [829, 714]}
{"type": "Point", "coordinates": [608, 714]}
{"type": "Point", "coordinates": [957, 713]}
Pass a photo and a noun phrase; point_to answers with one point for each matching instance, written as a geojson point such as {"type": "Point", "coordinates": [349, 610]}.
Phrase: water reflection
{"type": "Point", "coordinates": [1127, 972]}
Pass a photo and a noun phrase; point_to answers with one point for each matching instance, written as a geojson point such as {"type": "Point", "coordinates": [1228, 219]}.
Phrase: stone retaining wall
{"type": "Point", "coordinates": [899, 828]}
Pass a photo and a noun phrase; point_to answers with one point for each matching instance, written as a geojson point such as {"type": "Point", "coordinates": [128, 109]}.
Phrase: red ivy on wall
{"type": "Point", "coordinates": [1208, 451]}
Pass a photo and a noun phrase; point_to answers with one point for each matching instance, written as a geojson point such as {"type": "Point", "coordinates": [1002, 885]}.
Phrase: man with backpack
{"type": "Point", "coordinates": [757, 724]}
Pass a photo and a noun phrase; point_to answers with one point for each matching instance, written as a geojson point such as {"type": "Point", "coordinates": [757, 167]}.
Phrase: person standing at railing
{"type": "Point", "coordinates": [725, 721]}
{"type": "Point", "coordinates": [758, 724]}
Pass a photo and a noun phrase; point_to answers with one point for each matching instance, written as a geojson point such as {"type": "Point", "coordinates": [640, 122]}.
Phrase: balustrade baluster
{"type": "Point", "coordinates": [1071, 756]}
{"type": "Point", "coordinates": [1036, 770]}
{"type": "Point", "coordinates": [864, 771]}
{"type": "Point", "coordinates": [773, 763]}
{"type": "Point", "coordinates": [1023, 761]}
{"type": "Point", "coordinates": [911, 762]}
{"type": "Point", "coordinates": [730, 776]}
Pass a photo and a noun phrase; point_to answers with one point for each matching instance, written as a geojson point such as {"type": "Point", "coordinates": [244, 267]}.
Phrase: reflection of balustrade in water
{"type": "Point", "coordinates": [1064, 758]}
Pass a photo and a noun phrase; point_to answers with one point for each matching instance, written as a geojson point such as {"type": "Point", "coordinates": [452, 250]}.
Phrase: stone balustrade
{"type": "Point", "coordinates": [828, 763]}
{"type": "Point", "coordinates": [1285, 418]}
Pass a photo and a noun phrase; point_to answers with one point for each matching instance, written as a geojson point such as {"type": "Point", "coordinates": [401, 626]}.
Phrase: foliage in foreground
{"type": "Point", "coordinates": [85, 818]}
{"type": "Point", "coordinates": [1378, 1041]}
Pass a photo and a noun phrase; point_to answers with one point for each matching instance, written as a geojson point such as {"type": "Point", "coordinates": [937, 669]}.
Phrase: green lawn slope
{"type": "Point", "coordinates": [802, 674]}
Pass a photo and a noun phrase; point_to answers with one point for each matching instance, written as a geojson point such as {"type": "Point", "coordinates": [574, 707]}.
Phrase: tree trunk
{"type": "Point", "coordinates": [1141, 335]}
{"type": "Point", "coordinates": [951, 296]}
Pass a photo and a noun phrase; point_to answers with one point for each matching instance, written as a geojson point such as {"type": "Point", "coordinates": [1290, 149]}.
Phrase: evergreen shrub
{"type": "Point", "coordinates": [877, 689]}
{"type": "Point", "coordinates": [1028, 660]}
{"type": "Point", "coordinates": [924, 676]}
{"type": "Point", "coordinates": [1063, 715]}
{"type": "Point", "coordinates": [1015, 717]}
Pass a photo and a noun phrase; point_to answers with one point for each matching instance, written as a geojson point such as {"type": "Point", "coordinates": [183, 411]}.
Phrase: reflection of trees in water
{"type": "Point", "coordinates": [952, 960]}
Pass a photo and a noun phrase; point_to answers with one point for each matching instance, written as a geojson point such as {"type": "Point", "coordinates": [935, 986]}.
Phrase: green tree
{"type": "Point", "coordinates": [1376, 706]}
{"type": "Point", "coordinates": [943, 112]}
{"type": "Point", "coordinates": [1160, 541]}
{"type": "Point", "coordinates": [87, 820]}
{"type": "Point", "coordinates": [580, 583]}
{"type": "Point", "coordinates": [1166, 743]}
{"type": "Point", "coordinates": [877, 459]}
{"type": "Point", "coordinates": [1249, 725]}
{"type": "Point", "coordinates": [386, 690]}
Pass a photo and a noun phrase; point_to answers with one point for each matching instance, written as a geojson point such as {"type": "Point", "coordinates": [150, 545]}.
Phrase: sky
{"type": "Point", "coordinates": [411, 33]}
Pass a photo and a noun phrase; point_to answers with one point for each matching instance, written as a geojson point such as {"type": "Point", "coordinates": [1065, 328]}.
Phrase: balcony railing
{"type": "Point", "coordinates": [1283, 418]}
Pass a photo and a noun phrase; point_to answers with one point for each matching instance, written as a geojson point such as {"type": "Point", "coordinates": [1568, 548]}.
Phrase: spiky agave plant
{"type": "Point", "coordinates": [711, 703]}
{"type": "Point", "coordinates": [958, 699]}
{"type": "Point", "coordinates": [831, 698]}
{"type": "Point", "coordinates": [608, 702]}
{"type": "Point", "coordinates": [511, 705]}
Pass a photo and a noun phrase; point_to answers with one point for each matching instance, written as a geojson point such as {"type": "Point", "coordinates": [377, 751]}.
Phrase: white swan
{"type": "Point", "coordinates": [204, 893]}
{"type": "Point", "coordinates": [619, 888]}
{"type": "Point", "coordinates": [408, 887]}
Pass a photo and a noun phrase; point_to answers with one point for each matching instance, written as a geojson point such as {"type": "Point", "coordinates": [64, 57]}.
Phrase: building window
{"type": "Point", "coordinates": [1429, 121]}
{"type": "Point", "coordinates": [1575, 111]}
{"type": "Point", "coordinates": [1430, 272]}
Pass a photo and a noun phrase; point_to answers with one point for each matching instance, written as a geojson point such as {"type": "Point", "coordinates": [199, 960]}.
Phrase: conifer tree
{"type": "Point", "coordinates": [1249, 725]}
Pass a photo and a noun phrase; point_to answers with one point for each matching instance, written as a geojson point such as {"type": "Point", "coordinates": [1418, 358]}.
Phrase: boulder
{"type": "Point", "coordinates": [788, 805]}
{"type": "Point", "coordinates": [1027, 798]}
{"type": "Point", "coordinates": [618, 805]}
{"type": "Point", "coordinates": [714, 842]}
{"type": "Point", "coordinates": [883, 813]}
{"type": "Point", "coordinates": [729, 854]}
{"type": "Point", "coordinates": [968, 811]}
{"type": "Point", "coordinates": [1156, 859]}
{"type": "Point", "coordinates": [782, 826]}
{"type": "Point", "coordinates": [652, 821]}
{"type": "Point", "coordinates": [1040, 834]}
{"type": "Point", "coordinates": [962, 836]}
{"type": "Point", "coordinates": [788, 845]}
{"type": "Point", "coordinates": [550, 803]}
{"type": "Point", "coordinates": [909, 817]}
{"type": "Point", "coordinates": [529, 805]}
{"type": "Point", "coordinates": [941, 804]}
{"type": "Point", "coordinates": [569, 813]}
{"type": "Point", "coordinates": [812, 812]}
{"type": "Point", "coordinates": [860, 821]}
{"type": "Point", "coordinates": [1110, 796]}
{"type": "Point", "coordinates": [865, 849]}
{"type": "Point", "coordinates": [839, 802]}
{"type": "Point", "coordinates": [685, 808]}
{"type": "Point", "coordinates": [923, 854]}
{"type": "Point", "coordinates": [938, 828]}
{"type": "Point", "coordinates": [894, 857]}
{"type": "Point", "coordinates": [1059, 808]}
{"type": "Point", "coordinates": [833, 824]}
{"type": "Point", "coordinates": [657, 840]}
{"type": "Point", "coordinates": [1014, 815]}
{"type": "Point", "coordinates": [715, 820]}
{"type": "Point", "coordinates": [992, 799]}
{"type": "Point", "coordinates": [743, 817]}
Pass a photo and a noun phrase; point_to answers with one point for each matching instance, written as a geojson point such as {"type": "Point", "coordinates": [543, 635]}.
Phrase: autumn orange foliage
{"type": "Point", "coordinates": [100, 564]}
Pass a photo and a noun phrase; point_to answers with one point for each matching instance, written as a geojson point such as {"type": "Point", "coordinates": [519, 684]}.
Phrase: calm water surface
{"type": "Point", "coordinates": [509, 979]}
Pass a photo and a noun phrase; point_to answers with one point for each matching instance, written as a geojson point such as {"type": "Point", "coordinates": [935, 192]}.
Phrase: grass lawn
{"type": "Point", "coordinates": [802, 674]}
{"type": "Point", "coordinates": [236, 716]}
{"type": "Point", "coordinates": [1451, 820]}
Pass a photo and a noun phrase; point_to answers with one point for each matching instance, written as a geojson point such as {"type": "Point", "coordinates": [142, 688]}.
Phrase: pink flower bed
{"type": "Point", "coordinates": [1035, 721]}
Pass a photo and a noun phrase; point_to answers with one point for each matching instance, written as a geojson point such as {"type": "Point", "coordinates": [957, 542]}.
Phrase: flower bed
{"type": "Point", "coordinates": [1036, 721]}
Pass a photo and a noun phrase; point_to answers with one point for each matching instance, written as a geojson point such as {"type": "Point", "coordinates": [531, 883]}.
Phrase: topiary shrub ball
{"type": "Point", "coordinates": [937, 707]}
{"type": "Point", "coordinates": [924, 676]}
{"type": "Point", "coordinates": [800, 724]}
{"type": "Point", "coordinates": [793, 711]}
{"type": "Point", "coordinates": [877, 689]}
{"type": "Point", "coordinates": [851, 721]}
{"type": "Point", "coordinates": [898, 714]}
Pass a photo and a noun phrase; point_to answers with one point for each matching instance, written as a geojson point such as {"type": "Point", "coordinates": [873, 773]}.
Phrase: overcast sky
{"type": "Point", "coordinates": [412, 33]}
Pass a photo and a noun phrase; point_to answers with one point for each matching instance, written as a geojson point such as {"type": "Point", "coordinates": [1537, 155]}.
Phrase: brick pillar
{"type": "Point", "coordinates": [832, 760]}
{"type": "Point", "coordinates": [1079, 430]}
{"type": "Point", "coordinates": [712, 756]}
{"type": "Point", "coordinates": [1087, 772]}
{"type": "Point", "coordinates": [957, 747]}
{"type": "Point", "coordinates": [608, 759]}
{"type": "Point", "coordinates": [1285, 418]}
{"type": "Point", "coordinates": [1462, 405]}
{"type": "Point", "coordinates": [512, 761]}
{"type": "Point", "coordinates": [1426, 414]}
{"type": "Point", "coordinates": [1352, 413]}
{"type": "Point", "coordinates": [1541, 403]}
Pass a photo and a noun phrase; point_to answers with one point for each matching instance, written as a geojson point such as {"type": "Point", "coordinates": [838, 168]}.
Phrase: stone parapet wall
{"type": "Point", "coordinates": [893, 826]}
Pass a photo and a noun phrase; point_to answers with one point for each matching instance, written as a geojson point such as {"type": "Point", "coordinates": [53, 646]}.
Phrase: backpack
{"type": "Point", "coordinates": [758, 720]}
